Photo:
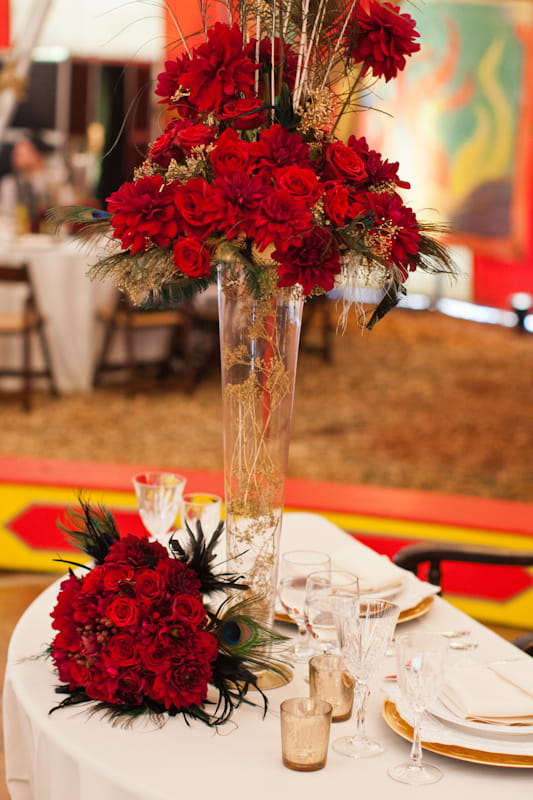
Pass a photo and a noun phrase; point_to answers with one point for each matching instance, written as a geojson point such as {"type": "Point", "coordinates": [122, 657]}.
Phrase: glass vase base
{"type": "Point", "coordinates": [415, 774]}
{"type": "Point", "coordinates": [357, 748]}
{"type": "Point", "coordinates": [273, 679]}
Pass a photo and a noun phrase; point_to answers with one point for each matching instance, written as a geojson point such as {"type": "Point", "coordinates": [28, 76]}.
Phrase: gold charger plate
{"type": "Point", "coordinates": [419, 610]}
{"type": "Point", "coordinates": [400, 726]}
{"type": "Point", "coordinates": [407, 614]}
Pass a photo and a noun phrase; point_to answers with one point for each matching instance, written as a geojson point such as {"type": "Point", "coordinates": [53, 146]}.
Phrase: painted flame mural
{"type": "Point", "coordinates": [455, 113]}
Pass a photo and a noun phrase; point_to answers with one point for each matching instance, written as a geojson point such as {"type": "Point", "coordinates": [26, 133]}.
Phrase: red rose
{"type": "Point", "coordinates": [122, 650]}
{"type": "Point", "coordinates": [192, 257]}
{"type": "Point", "coordinates": [230, 154]}
{"type": "Point", "coordinates": [336, 202]}
{"type": "Point", "coordinates": [189, 609]}
{"type": "Point", "coordinates": [195, 135]}
{"type": "Point", "coordinates": [244, 114]}
{"type": "Point", "coordinates": [113, 576]}
{"type": "Point", "coordinates": [341, 162]}
{"type": "Point", "coordinates": [148, 585]}
{"type": "Point", "coordinates": [80, 674]}
{"type": "Point", "coordinates": [157, 657]}
{"type": "Point", "coordinates": [301, 182]}
{"type": "Point", "coordinates": [130, 688]}
{"type": "Point", "coordinates": [123, 611]}
{"type": "Point", "coordinates": [195, 205]}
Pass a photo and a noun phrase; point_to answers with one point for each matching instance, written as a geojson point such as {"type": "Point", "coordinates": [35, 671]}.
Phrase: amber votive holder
{"type": "Point", "coordinates": [305, 726]}
{"type": "Point", "coordinates": [330, 680]}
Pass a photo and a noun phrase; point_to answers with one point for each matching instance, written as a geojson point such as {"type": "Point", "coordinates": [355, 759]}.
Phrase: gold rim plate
{"type": "Point", "coordinates": [419, 610]}
{"type": "Point", "coordinates": [400, 726]}
{"type": "Point", "coordinates": [407, 614]}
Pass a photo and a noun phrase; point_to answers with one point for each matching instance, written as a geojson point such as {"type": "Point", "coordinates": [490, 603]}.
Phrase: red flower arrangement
{"type": "Point", "coordinates": [249, 167]}
{"type": "Point", "coordinates": [134, 635]}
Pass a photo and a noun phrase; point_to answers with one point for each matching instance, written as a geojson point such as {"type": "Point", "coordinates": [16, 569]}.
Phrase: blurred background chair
{"type": "Point", "coordinates": [436, 554]}
{"type": "Point", "coordinates": [25, 324]}
{"type": "Point", "coordinates": [130, 324]}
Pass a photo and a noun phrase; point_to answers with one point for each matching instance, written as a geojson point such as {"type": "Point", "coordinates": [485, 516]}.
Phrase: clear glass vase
{"type": "Point", "coordinates": [259, 340]}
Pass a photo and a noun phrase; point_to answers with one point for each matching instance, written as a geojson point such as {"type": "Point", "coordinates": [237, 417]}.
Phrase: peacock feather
{"type": "Point", "coordinates": [93, 530]}
{"type": "Point", "coordinates": [89, 222]}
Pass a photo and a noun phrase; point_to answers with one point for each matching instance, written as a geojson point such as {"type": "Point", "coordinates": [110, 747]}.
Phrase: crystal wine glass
{"type": "Point", "coordinates": [322, 590]}
{"type": "Point", "coordinates": [204, 508]}
{"type": "Point", "coordinates": [421, 661]}
{"type": "Point", "coordinates": [365, 630]}
{"type": "Point", "coordinates": [295, 566]}
{"type": "Point", "coordinates": [159, 497]}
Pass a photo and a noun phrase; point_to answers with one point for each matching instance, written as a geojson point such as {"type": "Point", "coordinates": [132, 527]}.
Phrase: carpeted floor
{"type": "Point", "coordinates": [423, 401]}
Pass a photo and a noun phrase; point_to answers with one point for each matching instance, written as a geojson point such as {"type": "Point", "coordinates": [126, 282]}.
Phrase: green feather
{"type": "Point", "coordinates": [90, 222]}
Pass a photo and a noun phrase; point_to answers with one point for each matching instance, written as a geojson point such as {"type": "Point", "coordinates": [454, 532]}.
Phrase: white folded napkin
{"type": "Point", "coordinates": [375, 572]}
{"type": "Point", "coordinates": [499, 693]}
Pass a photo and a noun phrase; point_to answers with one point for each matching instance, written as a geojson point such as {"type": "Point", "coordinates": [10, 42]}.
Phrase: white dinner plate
{"type": "Point", "coordinates": [488, 729]}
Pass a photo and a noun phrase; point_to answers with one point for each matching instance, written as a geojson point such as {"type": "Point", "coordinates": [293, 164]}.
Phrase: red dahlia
{"type": "Point", "coordinates": [379, 38]}
{"type": "Point", "coordinates": [315, 262]}
{"type": "Point", "coordinates": [219, 69]}
{"type": "Point", "coordinates": [143, 214]}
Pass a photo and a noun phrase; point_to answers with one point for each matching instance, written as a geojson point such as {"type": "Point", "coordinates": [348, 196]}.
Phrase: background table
{"type": "Point", "coordinates": [67, 299]}
{"type": "Point", "coordinates": [71, 756]}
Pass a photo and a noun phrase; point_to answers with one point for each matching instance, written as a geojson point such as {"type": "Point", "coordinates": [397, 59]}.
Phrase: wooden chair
{"type": "Point", "coordinates": [435, 554]}
{"type": "Point", "coordinates": [130, 322]}
{"type": "Point", "coordinates": [318, 326]}
{"type": "Point", "coordinates": [24, 324]}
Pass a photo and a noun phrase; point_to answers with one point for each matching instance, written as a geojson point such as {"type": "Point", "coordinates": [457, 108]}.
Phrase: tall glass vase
{"type": "Point", "coordinates": [259, 339]}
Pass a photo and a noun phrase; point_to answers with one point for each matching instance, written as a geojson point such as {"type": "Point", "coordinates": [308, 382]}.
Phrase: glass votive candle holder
{"type": "Point", "coordinates": [305, 726]}
{"type": "Point", "coordinates": [202, 506]}
{"type": "Point", "coordinates": [330, 680]}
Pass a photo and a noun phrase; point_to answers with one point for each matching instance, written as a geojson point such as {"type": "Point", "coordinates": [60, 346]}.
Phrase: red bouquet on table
{"type": "Point", "coordinates": [249, 168]}
{"type": "Point", "coordinates": [135, 634]}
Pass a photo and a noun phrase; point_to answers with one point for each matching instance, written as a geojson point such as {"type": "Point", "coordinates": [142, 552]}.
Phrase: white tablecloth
{"type": "Point", "coordinates": [71, 756]}
{"type": "Point", "coordinates": [67, 299]}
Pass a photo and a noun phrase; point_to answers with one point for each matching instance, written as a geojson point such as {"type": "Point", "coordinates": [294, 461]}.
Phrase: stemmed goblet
{"type": "Point", "coordinates": [295, 566]}
{"type": "Point", "coordinates": [159, 497]}
{"type": "Point", "coordinates": [421, 659]}
{"type": "Point", "coordinates": [204, 508]}
{"type": "Point", "coordinates": [365, 630]}
{"type": "Point", "coordinates": [323, 588]}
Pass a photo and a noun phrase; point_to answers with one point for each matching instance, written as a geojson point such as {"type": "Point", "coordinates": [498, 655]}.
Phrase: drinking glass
{"type": "Point", "coordinates": [159, 497]}
{"type": "Point", "coordinates": [365, 630]}
{"type": "Point", "coordinates": [204, 508]}
{"type": "Point", "coordinates": [322, 590]}
{"type": "Point", "coordinates": [295, 566]}
{"type": "Point", "coordinates": [421, 661]}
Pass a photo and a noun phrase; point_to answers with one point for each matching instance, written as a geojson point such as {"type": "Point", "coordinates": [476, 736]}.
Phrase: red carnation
{"type": "Point", "coordinates": [143, 214]}
{"type": "Point", "coordinates": [219, 69]}
{"type": "Point", "coordinates": [314, 263]}
{"type": "Point", "coordinates": [379, 38]}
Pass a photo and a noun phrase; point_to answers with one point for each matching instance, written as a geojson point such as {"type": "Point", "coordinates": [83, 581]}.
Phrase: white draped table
{"type": "Point", "coordinates": [68, 299]}
{"type": "Point", "coordinates": [70, 755]}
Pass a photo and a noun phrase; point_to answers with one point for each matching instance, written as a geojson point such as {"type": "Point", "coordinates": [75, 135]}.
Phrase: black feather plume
{"type": "Point", "coordinates": [93, 530]}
